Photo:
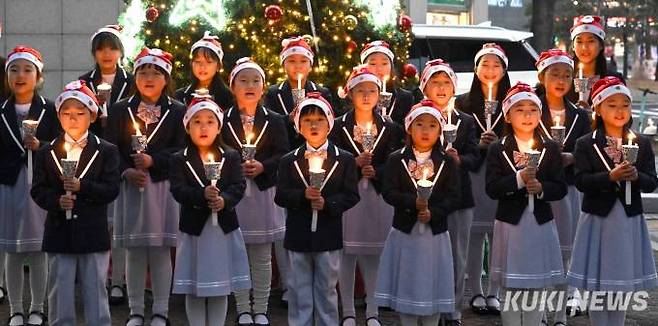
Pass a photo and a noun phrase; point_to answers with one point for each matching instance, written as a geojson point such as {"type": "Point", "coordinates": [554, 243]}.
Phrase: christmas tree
{"type": "Point", "coordinates": [336, 29]}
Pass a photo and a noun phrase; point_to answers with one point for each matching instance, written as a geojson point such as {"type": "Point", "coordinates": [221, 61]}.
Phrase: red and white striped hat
{"type": "Point", "coordinates": [425, 106]}
{"type": "Point", "coordinates": [435, 66]}
{"type": "Point", "coordinates": [210, 42]}
{"type": "Point", "coordinates": [202, 102]}
{"type": "Point", "coordinates": [27, 53]}
{"type": "Point", "coordinates": [588, 24]}
{"type": "Point", "coordinates": [295, 45]}
{"type": "Point", "coordinates": [551, 57]}
{"type": "Point", "coordinates": [242, 64]}
{"type": "Point", "coordinates": [360, 74]}
{"type": "Point", "coordinates": [157, 57]}
{"type": "Point", "coordinates": [376, 47]}
{"type": "Point", "coordinates": [112, 29]}
{"type": "Point", "coordinates": [491, 48]}
{"type": "Point", "coordinates": [606, 87]}
{"type": "Point", "coordinates": [79, 91]}
{"type": "Point", "coordinates": [520, 92]}
{"type": "Point", "coordinates": [314, 98]}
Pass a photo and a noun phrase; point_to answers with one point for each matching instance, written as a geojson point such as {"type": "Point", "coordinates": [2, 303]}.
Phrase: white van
{"type": "Point", "coordinates": [458, 45]}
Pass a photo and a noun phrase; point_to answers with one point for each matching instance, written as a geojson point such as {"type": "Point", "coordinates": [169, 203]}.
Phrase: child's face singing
{"type": "Point", "coordinates": [490, 69]}
{"type": "Point", "coordinates": [365, 96]}
{"type": "Point", "coordinates": [439, 89]}
{"type": "Point", "coordinates": [107, 58]}
{"type": "Point", "coordinates": [557, 79]}
{"type": "Point", "coordinates": [524, 117]}
{"type": "Point", "coordinates": [75, 118]}
{"type": "Point", "coordinates": [22, 77]}
{"type": "Point", "coordinates": [615, 111]}
{"type": "Point", "coordinates": [425, 131]}
{"type": "Point", "coordinates": [150, 81]}
{"type": "Point", "coordinates": [315, 128]}
{"type": "Point", "coordinates": [380, 64]}
{"type": "Point", "coordinates": [248, 86]}
{"type": "Point", "coordinates": [297, 64]}
{"type": "Point", "coordinates": [204, 67]}
{"type": "Point", "coordinates": [587, 47]}
{"type": "Point", "coordinates": [203, 128]}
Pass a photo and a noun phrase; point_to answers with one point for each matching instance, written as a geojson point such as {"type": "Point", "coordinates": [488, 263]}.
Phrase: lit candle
{"type": "Point", "coordinates": [137, 131]}
{"type": "Point", "coordinates": [449, 109]}
{"type": "Point", "coordinates": [67, 149]}
{"type": "Point", "coordinates": [299, 80]}
{"type": "Point", "coordinates": [531, 144]}
{"type": "Point", "coordinates": [384, 84]}
{"type": "Point", "coordinates": [580, 70]}
{"type": "Point", "coordinates": [490, 91]}
{"type": "Point", "coordinates": [557, 120]}
{"type": "Point", "coordinates": [211, 158]}
{"type": "Point", "coordinates": [315, 164]}
{"type": "Point", "coordinates": [630, 138]}
{"type": "Point", "coordinates": [368, 127]}
{"type": "Point", "coordinates": [249, 136]}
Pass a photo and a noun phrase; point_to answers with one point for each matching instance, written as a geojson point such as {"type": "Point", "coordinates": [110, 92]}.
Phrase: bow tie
{"type": "Point", "coordinates": [613, 149]}
{"type": "Point", "coordinates": [319, 153]}
{"type": "Point", "coordinates": [417, 169]}
{"type": "Point", "coordinates": [520, 159]}
{"type": "Point", "coordinates": [77, 144]}
{"type": "Point", "coordinates": [148, 113]}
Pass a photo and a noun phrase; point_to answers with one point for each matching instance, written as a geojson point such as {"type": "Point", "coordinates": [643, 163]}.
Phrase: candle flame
{"type": "Point", "coordinates": [211, 158]}
{"type": "Point", "coordinates": [368, 128]}
{"type": "Point", "coordinates": [426, 172]}
{"type": "Point", "coordinates": [631, 136]}
{"type": "Point", "coordinates": [557, 120]}
{"type": "Point", "coordinates": [531, 144]}
{"type": "Point", "coordinates": [315, 163]}
{"type": "Point", "coordinates": [250, 136]}
{"type": "Point", "coordinates": [137, 131]}
{"type": "Point", "coordinates": [67, 149]}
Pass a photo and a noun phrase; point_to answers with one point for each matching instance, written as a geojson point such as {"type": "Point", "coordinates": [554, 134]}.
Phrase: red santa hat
{"type": "Point", "coordinates": [520, 92]}
{"type": "Point", "coordinates": [295, 45]}
{"type": "Point", "coordinates": [435, 66]}
{"type": "Point", "coordinates": [360, 74]}
{"type": "Point", "coordinates": [112, 29]}
{"type": "Point", "coordinates": [210, 42]}
{"type": "Point", "coordinates": [314, 98]}
{"type": "Point", "coordinates": [376, 47]}
{"type": "Point", "coordinates": [242, 64]}
{"type": "Point", "coordinates": [588, 24]}
{"type": "Point", "coordinates": [27, 53]}
{"type": "Point", "coordinates": [202, 102]}
{"type": "Point", "coordinates": [79, 91]}
{"type": "Point", "coordinates": [491, 48]}
{"type": "Point", "coordinates": [157, 57]}
{"type": "Point", "coordinates": [424, 107]}
{"type": "Point", "coordinates": [606, 87]}
{"type": "Point", "coordinates": [551, 57]}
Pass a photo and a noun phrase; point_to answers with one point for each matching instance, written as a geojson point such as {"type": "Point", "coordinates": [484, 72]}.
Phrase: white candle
{"type": "Point", "coordinates": [449, 109]}
{"type": "Point", "coordinates": [315, 164]}
{"type": "Point", "coordinates": [630, 138]}
{"type": "Point", "coordinates": [490, 91]}
{"type": "Point", "coordinates": [67, 149]}
{"type": "Point", "coordinates": [299, 80]}
{"type": "Point", "coordinates": [557, 120]}
{"type": "Point", "coordinates": [384, 84]}
{"type": "Point", "coordinates": [249, 136]}
{"type": "Point", "coordinates": [580, 70]}
{"type": "Point", "coordinates": [368, 127]}
{"type": "Point", "coordinates": [211, 158]}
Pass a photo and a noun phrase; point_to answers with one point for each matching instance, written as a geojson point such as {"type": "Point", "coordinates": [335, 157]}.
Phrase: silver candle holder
{"type": "Point", "coordinates": [558, 134]}
{"type": "Point", "coordinates": [533, 161]}
{"type": "Point", "coordinates": [316, 179]}
{"type": "Point", "coordinates": [581, 86]}
{"type": "Point", "coordinates": [248, 152]}
{"type": "Point", "coordinates": [489, 111]}
{"type": "Point", "coordinates": [368, 142]}
{"type": "Point", "coordinates": [450, 134]}
{"type": "Point", "coordinates": [139, 144]}
{"type": "Point", "coordinates": [298, 95]}
{"type": "Point", "coordinates": [213, 172]}
{"type": "Point", "coordinates": [104, 91]}
{"type": "Point", "coordinates": [384, 102]}
{"type": "Point", "coordinates": [69, 167]}
{"type": "Point", "coordinates": [423, 191]}
{"type": "Point", "coordinates": [629, 151]}
{"type": "Point", "coordinates": [29, 129]}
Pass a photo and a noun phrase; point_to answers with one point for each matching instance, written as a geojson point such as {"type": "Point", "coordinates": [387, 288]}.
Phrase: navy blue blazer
{"type": "Point", "coordinates": [188, 182]}
{"type": "Point", "coordinates": [386, 142]}
{"type": "Point", "coordinates": [14, 154]}
{"type": "Point", "coordinates": [340, 193]}
{"type": "Point", "coordinates": [593, 175]}
{"type": "Point", "coordinates": [400, 190]}
{"type": "Point", "coordinates": [98, 172]}
{"type": "Point", "coordinates": [501, 182]}
{"type": "Point", "coordinates": [165, 137]}
{"type": "Point", "coordinates": [269, 130]}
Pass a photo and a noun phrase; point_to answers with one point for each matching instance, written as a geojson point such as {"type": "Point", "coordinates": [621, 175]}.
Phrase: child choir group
{"type": "Point", "coordinates": [231, 174]}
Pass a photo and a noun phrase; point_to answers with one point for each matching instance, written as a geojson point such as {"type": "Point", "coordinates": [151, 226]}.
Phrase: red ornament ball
{"type": "Point", "coordinates": [152, 14]}
{"type": "Point", "coordinates": [409, 70]}
{"type": "Point", "coordinates": [351, 46]}
{"type": "Point", "coordinates": [273, 12]}
{"type": "Point", "coordinates": [405, 23]}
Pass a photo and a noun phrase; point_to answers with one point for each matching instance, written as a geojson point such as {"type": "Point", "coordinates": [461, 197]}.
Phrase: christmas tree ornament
{"type": "Point", "coordinates": [152, 14]}
{"type": "Point", "coordinates": [350, 22]}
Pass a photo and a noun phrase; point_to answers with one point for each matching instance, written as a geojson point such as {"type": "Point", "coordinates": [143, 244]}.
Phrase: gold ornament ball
{"type": "Point", "coordinates": [350, 22]}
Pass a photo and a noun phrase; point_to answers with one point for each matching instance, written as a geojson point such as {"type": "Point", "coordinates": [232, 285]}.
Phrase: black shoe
{"type": "Point", "coordinates": [16, 315]}
{"type": "Point", "coordinates": [491, 309]}
{"type": "Point", "coordinates": [136, 316]}
{"type": "Point", "coordinates": [159, 316]}
{"type": "Point", "coordinates": [237, 320]}
{"type": "Point", "coordinates": [40, 314]}
{"type": "Point", "coordinates": [114, 300]}
{"type": "Point", "coordinates": [480, 310]}
{"type": "Point", "coordinates": [259, 324]}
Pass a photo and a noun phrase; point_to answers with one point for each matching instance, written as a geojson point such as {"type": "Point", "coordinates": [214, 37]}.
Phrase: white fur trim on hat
{"type": "Point", "coordinates": [491, 50]}
{"type": "Point", "coordinates": [328, 112]}
{"type": "Point", "coordinates": [296, 50]}
{"type": "Point", "coordinates": [77, 95]}
{"type": "Point", "coordinates": [203, 43]}
{"type": "Point", "coordinates": [554, 60]}
{"type": "Point", "coordinates": [203, 105]}
{"type": "Point", "coordinates": [107, 30]}
{"type": "Point", "coordinates": [242, 64]}
{"type": "Point", "coordinates": [151, 59]}
{"type": "Point", "coordinates": [429, 71]}
{"type": "Point", "coordinates": [27, 56]}
{"type": "Point", "coordinates": [375, 49]}
{"type": "Point", "coordinates": [609, 91]}
{"type": "Point", "coordinates": [588, 28]}
{"type": "Point", "coordinates": [362, 78]}
{"type": "Point", "coordinates": [518, 97]}
{"type": "Point", "coordinates": [416, 112]}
